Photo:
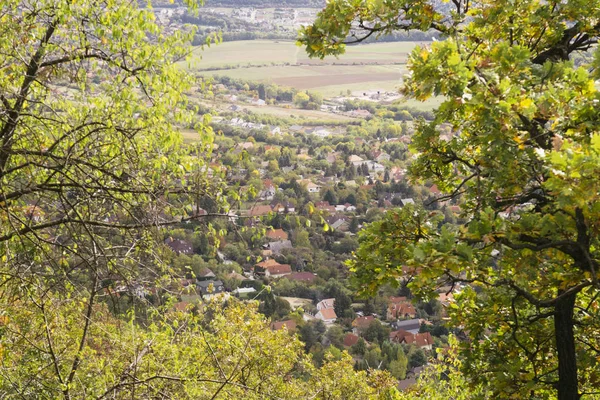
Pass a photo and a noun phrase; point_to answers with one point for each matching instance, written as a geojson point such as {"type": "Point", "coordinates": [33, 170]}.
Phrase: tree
{"type": "Point", "coordinates": [261, 92]}
{"type": "Point", "coordinates": [336, 334]}
{"type": "Point", "coordinates": [376, 332]}
{"type": "Point", "coordinates": [226, 349]}
{"type": "Point", "coordinates": [523, 161]}
{"type": "Point", "coordinates": [330, 197]}
{"type": "Point", "coordinates": [301, 99]}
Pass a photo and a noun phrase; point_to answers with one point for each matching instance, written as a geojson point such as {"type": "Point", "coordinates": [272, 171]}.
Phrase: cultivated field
{"type": "Point", "coordinates": [378, 66]}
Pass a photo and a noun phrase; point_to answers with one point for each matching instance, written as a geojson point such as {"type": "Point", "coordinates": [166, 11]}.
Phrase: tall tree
{"type": "Point", "coordinates": [523, 158]}
{"type": "Point", "coordinates": [90, 164]}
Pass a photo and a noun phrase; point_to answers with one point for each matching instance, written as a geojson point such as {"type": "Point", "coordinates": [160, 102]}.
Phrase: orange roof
{"type": "Point", "coordinates": [328, 313]}
{"type": "Point", "coordinates": [363, 321]}
{"type": "Point", "coordinates": [289, 324]}
{"type": "Point", "coordinates": [279, 234]}
{"type": "Point", "coordinates": [267, 263]}
{"type": "Point", "coordinates": [257, 211]}
{"type": "Point", "coordinates": [399, 299]}
{"type": "Point", "coordinates": [279, 269]}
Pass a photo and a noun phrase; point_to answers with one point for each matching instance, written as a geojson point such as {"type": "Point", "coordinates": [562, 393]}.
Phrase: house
{"type": "Point", "coordinates": [277, 234]}
{"type": "Point", "coordinates": [350, 340]}
{"type": "Point", "coordinates": [382, 157]}
{"type": "Point", "coordinates": [210, 287]}
{"type": "Point", "coordinates": [244, 292]}
{"type": "Point", "coordinates": [302, 277]}
{"type": "Point", "coordinates": [272, 269]}
{"type": "Point", "coordinates": [409, 325]}
{"type": "Point", "coordinates": [245, 145]}
{"type": "Point", "coordinates": [400, 310]}
{"type": "Point", "coordinates": [434, 190]}
{"type": "Point", "coordinates": [445, 299]}
{"type": "Point", "coordinates": [325, 303]}
{"type": "Point", "coordinates": [296, 128]}
{"type": "Point", "coordinates": [313, 188]}
{"type": "Point", "coordinates": [268, 192]}
{"type": "Point", "coordinates": [326, 315]}
{"type": "Point", "coordinates": [289, 324]}
{"type": "Point", "coordinates": [276, 130]}
{"type": "Point", "coordinates": [339, 222]}
{"type": "Point", "coordinates": [360, 113]}
{"type": "Point", "coordinates": [277, 247]}
{"type": "Point", "coordinates": [259, 210]}
{"type": "Point", "coordinates": [259, 102]}
{"type": "Point", "coordinates": [180, 246]}
{"type": "Point", "coordinates": [405, 202]}
{"type": "Point", "coordinates": [331, 158]}
{"type": "Point", "coordinates": [374, 166]}
{"type": "Point", "coordinates": [324, 206]}
{"type": "Point", "coordinates": [356, 160]}
{"type": "Point", "coordinates": [236, 276]}
{"type": "Point", "coordinates": [422, 340]}
{"type": "Point", "coordinates": [321, 132]}
{"type": "Point", "coordinates": [235, 107]}
{"type": "Point", "coordinates": [361, 323]}
{"type": "Point", "coordinates": [206, 275]}
{"type": "Point", "coordinates": [349, 207]}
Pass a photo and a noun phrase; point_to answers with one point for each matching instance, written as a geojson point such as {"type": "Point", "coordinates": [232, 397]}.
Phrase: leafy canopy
{"type": "Point", "coordinates": [522, 158]}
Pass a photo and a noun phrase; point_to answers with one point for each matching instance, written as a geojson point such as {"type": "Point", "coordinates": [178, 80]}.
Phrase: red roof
{"type": "Point", "coordinates": [399, 299]}
{"type": "Point", "coordinates": [289, 324]}
{"type": "Point", "coordinates": [363, 322]}
{"type": "Point", "coordinates": [278, 234]}
{"type": "Point", "coordinates": [302, 276]}
{"type": "Point", "coordinates": [420, 339]}
{"type": "Point", "coordinates": [279, 269]}
{"type": "Point", "coordinates": [350, 339]}
{"type": "Point", "coordinates": [257, 211]}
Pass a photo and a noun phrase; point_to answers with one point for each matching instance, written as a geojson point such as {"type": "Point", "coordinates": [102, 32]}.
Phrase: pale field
{"type": "Point", "coordinates": [259, 52]}
{"type": "Point", "coordinates": [377, 66]}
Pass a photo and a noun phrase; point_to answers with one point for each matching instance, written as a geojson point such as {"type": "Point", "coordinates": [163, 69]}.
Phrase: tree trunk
{"type": "Point", "coordinates": [565, 345]}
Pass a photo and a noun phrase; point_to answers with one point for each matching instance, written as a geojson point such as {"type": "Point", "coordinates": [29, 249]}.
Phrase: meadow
{"type": "Point", "coordinates": [378, 66]}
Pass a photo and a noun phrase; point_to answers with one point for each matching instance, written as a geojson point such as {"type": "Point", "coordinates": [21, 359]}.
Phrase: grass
{"type": "Point", "coordinates": [377, 66]}
{"type": "Point", "coordinates": [260, 52]}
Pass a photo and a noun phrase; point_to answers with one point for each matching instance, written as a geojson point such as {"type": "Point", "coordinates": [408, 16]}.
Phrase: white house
{"type": "Point", "coordinates": [326, 315]}
{"type": "Point", "coordinates": [325, 303]}
{"type": "Point", "coordinates": [313, 188]}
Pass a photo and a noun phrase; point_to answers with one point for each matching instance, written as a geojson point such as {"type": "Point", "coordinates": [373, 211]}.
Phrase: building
{"type": "Point", "coordinates": [350, 340]}
{"type": "Point", "coordinates": [277, 234]}
{"type": "Point", "coordinates": [361, 323]}
{"type": "Point", "coordinates": [302, 277]}
{"type": "Point", "coordinates": [210, 288]}
{"type": "Point", "coordinates": [400, 308]}
{"type": "Point", "coordinates": [410, 325]}
{"type": "Point", "coordinates": [272, 269]}
{"type": "Point", "coordinates": [325, 303]}
{"type": "Point", "coordinates": [313, 187]}
{"type": "Point", "coordinates": [277, 247]}
{"type": "Point", "coordinates": [326, 315]}
{"type": "Point", "coordinates": [422, 340]}
{"type": "Point", "coordinates": [289, 324]}
{"type": "Point", "coordinates": [180, 246]}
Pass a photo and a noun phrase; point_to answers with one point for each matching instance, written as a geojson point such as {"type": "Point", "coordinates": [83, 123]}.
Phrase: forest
{"type": "Point", "coordinates": [165, 234]}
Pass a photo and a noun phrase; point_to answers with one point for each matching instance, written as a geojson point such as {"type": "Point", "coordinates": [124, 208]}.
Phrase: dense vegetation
{"type": "Point", "coordinates": [523, 160]}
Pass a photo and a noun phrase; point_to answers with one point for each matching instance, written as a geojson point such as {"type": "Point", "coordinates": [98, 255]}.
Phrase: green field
{"type": "Point", "coordinates": [378, 66]}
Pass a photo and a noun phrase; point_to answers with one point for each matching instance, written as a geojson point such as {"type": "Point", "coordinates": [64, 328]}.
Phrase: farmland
{"type": "Point", "coordinates": [377, 66]}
